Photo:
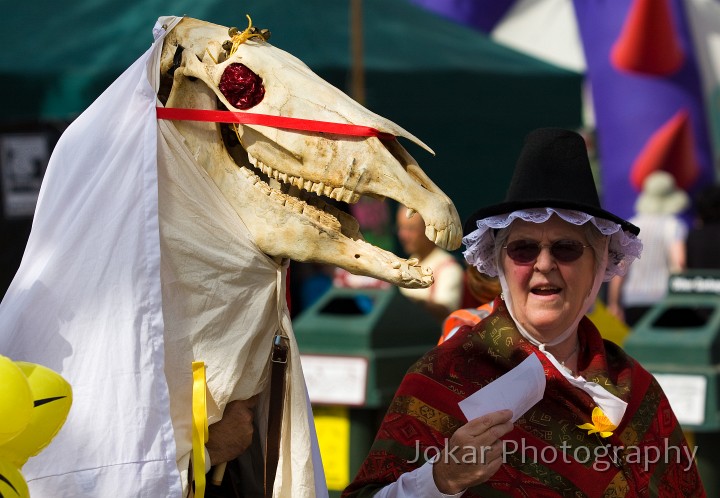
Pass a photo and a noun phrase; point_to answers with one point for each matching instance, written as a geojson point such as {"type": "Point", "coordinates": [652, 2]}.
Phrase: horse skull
{"type": "Point", "coordinates": [276, 179]}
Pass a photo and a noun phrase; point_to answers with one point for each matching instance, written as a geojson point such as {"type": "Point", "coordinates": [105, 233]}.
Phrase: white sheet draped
{"type": "Point", "coordinates": [115, 291]}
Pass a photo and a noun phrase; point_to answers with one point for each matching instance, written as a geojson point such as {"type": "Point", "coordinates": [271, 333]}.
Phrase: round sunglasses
{"type": "Point", "coordinates": [526, 251]}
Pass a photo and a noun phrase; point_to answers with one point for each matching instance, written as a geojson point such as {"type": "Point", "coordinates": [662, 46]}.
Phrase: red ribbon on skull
{"type": "Point", "coordinates": [244, 90]}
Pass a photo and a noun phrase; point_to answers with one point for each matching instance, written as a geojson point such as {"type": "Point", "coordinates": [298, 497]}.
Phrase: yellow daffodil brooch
{"type": "Point", "coordinates": [600, 424]}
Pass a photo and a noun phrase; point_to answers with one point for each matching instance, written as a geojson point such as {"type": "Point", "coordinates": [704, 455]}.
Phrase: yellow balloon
{"type": "Point", "coordinates": [52, 397]}
{"type": "Point", "coordinates": [16, 401]}
{"type": "Point", "coordinates": [12, 482]}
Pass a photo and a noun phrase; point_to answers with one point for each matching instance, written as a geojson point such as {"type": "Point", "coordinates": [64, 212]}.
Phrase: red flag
{"type": "Point", "coordinates": [670, 148]}
{"type": "Point", "coordinates": [649, 43]}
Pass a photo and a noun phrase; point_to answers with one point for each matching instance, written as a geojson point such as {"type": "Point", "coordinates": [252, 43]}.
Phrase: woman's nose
{"type": "Point", "coordinates": [545, 261]}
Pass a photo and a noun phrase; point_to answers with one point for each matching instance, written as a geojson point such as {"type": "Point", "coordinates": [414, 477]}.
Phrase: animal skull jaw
{"type": "Point", "coordinates": [275, 179]}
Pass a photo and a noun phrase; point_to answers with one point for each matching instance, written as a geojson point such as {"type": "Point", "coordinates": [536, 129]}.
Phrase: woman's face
{"type": "Point", "coordinates": [547, 294]}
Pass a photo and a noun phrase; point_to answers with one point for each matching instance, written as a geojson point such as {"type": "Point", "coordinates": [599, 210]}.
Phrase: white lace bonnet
{"type": "Point", "coordinates": [552, 176]}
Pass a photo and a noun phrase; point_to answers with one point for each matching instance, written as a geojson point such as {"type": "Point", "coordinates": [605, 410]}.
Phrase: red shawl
{"type": "Point", "coordinates": [425, 412]}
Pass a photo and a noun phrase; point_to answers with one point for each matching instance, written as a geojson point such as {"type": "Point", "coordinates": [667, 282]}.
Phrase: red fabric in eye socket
{"type": "Point", "coordinates": [241, 87]}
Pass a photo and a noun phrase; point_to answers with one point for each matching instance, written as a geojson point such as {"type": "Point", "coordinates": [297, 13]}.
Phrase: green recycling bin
{"type": "Point", "coordinates": [678, 341]}
{"type": "Point", "coordinates": [356, 345]}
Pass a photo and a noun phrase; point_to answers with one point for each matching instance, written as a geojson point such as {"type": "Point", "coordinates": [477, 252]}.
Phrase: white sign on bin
{"type": "Point", "coordinates": [335, 380]}
{"type": "Point", "coordinates": [686, 394]}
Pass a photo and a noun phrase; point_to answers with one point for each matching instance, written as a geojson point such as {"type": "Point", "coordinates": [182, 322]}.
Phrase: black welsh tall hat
{"type": "Point", "coordinates": [553, 170]}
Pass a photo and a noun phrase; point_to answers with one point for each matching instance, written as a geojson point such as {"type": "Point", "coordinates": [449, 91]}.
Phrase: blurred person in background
{"type": "Point", "coordinates": [482, 289]}
{"type": "Point", "coordinates": [657, 211]}
{"type": "Point", "coordinates": [445, 294]}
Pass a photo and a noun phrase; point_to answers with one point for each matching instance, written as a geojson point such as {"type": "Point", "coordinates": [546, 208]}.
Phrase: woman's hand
{"type": "Point", "coordinates": [230, 436]}
{"type": "Point", "coordinates": [474, 453]}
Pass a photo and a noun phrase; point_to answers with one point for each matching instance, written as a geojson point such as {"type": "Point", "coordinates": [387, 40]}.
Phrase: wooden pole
{"type": "Point", "coordinates": [357, 71]}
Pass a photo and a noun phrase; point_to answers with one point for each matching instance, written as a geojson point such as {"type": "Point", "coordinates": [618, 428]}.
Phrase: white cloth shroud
{"type": "Point", "coordinates": [104, 300]}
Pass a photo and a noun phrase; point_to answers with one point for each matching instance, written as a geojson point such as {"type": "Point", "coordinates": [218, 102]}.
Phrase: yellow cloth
{"type": "Point", "coordinates": [612, 329]}
{"type": "Point", "coordinates": [200, 427]}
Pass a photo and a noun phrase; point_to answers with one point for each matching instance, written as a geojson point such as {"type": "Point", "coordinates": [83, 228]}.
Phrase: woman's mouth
{"type": "Point", "coordinates": [545, 290]}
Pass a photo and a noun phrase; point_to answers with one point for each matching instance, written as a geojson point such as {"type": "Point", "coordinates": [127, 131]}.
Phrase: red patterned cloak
{"type": "Point", "coordinates": [548, 455]}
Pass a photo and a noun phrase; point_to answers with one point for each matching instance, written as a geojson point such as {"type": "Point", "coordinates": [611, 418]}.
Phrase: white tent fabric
{"type": "Point", "coordinates": [545, 29]}
{"type": "Point", "coordinates": [134, 269]}
{"type": "Point", "coordinates": [704, 17]}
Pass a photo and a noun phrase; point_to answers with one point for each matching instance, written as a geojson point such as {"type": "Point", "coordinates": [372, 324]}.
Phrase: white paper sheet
{"type": "Point", "coordinates": [517, 390]}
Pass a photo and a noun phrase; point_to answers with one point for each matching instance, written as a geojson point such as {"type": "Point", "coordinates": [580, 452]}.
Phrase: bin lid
{"type": "Point", "coordinates": [351, 320]}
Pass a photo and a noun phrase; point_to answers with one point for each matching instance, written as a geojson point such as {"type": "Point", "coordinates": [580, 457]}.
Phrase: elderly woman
{"type": "Point", "coordinates": [603, 426]}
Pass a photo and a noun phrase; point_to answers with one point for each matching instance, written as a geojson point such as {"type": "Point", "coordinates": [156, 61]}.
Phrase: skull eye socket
{"type": "Point", "coordinates": [241, 86]}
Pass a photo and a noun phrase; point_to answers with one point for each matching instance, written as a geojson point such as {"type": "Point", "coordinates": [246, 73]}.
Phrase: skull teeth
{"type": "Point", "coordinates": [321, 211]}
{"type": "Point", "coordinates": [318, 188]}
{"type": "Point", "coordinates": [311, 207]}
{"type": "Point", "coordinates": [339, 194]}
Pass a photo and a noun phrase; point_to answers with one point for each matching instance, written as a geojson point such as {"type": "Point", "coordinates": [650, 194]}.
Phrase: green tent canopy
{"type": "Point", "coordinates": [468, 98]}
